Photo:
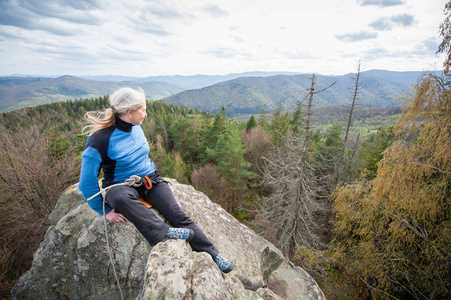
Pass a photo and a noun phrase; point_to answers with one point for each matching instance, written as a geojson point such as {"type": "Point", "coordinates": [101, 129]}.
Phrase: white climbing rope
{"type": "Point", "coordinates": [134, 181]}
{"type": "Point", "coordinates": [109, 252]}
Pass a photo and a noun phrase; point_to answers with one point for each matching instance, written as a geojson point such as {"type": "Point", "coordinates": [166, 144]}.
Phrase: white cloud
{"type": "Point", "coordinates": [214, 10]}
{"type": "Point", "coordinates": [399, 20]}
{"type": "Point", "coordinates": [380, 3]}
{"type": "Point", "coordinates": [356, 36]}
{"type": "Point", "coordinates": [54, 17]}
{"type": "Point", "coordinates": [382, 24]}
{"type": "Point", "coordinates": [142, 38]}
{"type": "Point", "coordinates": [404, 20]}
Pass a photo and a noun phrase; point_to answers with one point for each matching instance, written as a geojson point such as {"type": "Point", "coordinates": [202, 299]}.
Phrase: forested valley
{"type": "Point", "coordinates": [365, 209]}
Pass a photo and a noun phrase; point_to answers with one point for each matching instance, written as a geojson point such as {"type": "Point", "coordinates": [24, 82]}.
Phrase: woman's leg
{"type": "Point", "coordinates": [125, 200]}
{"type": "Point", "coordinates": [162, 199]}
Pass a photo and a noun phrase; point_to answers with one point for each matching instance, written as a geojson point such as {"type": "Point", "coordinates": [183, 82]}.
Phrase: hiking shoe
{"type": "Point", "coordinates": [180, 233]}
{"type": "Point", "coordinates": [225, 265]}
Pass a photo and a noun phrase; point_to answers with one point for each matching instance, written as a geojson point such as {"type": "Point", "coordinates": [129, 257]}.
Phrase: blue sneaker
{"type": "Point", "coordinates": [225, 265]}
{"type": "Point", "coordinates": [180, 233]}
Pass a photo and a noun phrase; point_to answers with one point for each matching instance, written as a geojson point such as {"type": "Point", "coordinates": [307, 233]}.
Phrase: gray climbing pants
{"type": "Point", "coordinates": [125, 200]}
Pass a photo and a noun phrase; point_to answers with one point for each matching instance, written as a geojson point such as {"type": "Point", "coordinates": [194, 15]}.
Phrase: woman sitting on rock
{"type": "Point", "coordinates": [117, 146]}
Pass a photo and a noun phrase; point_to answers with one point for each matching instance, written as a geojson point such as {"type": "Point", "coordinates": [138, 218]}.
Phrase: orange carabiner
{"type": "Point", "coordinates": [147, 182]}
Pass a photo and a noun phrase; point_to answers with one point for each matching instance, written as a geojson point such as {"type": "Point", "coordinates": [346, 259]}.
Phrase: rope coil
{"type": "Point", "coordinates": [134, 181]}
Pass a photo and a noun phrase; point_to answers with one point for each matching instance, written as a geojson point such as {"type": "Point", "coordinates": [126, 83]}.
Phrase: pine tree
{"type": "Point", "coordinates": [296, 121]}
{"type": "Point", "coordinates": [212, 133]}
{"type": "Point", "coordinates": [186, 134]}
{"type": "Point", "coordinates": [371, 153]}
{"type": "Point", "coordinates": [329, 150]}
{"type": "Point", "coordinates": [262, 120]}
{"type": "Point", "coordinates": [280, 124]}
{"type": "Point", "coordinates": [251, 123]}
{"type": "Point", "coordinates": [229, 157]}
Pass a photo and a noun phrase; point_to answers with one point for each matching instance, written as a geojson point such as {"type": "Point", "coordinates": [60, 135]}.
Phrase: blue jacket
{"type": "Point", "coordinates": [120, 151]}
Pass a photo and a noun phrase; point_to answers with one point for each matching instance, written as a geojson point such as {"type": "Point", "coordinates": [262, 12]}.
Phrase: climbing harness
{"type": "Point", "coordinates": [134, 181]}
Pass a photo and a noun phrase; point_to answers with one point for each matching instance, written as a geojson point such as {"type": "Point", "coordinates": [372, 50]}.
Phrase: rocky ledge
{"type": "Point", "coordinates": [72, 262]}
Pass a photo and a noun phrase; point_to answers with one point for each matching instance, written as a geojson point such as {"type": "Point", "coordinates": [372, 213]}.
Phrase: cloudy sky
{"type": "Point", "coordinates": [166, 37]}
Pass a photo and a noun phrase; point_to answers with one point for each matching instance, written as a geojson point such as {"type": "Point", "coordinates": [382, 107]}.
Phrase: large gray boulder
{"type": "Point", "coordinates": [72, 262]}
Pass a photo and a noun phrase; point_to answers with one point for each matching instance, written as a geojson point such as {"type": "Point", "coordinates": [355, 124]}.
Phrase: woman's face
{"type": "Point", "coordinates": [137, 116]}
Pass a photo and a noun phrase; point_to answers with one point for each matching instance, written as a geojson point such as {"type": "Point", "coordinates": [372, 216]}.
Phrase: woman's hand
{"type": "Point", "coordinates": [115, 218]}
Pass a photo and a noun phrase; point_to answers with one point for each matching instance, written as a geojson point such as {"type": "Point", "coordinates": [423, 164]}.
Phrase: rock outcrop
{"type": "Point", "coordinates": [72, 262]}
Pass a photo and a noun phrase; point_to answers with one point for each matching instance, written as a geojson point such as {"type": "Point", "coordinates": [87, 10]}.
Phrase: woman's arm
{"type": "Point", "coordinates": [88, 185]}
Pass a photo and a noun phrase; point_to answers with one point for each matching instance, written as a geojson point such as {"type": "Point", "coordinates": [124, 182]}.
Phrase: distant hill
{"type": "Point", "coordinates": [186, 82]}
{"type": "Point", "coordinates": [249, 95]}
{"type": "Point", "coordinates": [201, 81]}
{"type": "Point", "coordinates": [240, 94]}
{"type": "Point", "coordinates": [18, 92]}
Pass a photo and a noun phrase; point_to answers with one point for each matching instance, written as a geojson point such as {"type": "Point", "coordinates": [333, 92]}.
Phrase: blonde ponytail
{"type": "Point", "coordinates": [99, 120]}
{"type": "Point", "coordinates": [121, 101]}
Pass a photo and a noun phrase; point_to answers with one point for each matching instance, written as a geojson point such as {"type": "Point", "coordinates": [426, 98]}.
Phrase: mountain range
{"type": "Point", "coordinates": [18, 92]}
{"type": "Point", "coordinates": [239, 93]}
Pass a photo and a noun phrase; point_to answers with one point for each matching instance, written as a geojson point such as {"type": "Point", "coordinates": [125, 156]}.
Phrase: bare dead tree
{"type": "Point", "coordinates": [356, 90]}
{"type": "Point", "coordinates": [291, 213]}
{"type": "Point", "coordinates": [309, 115]}
{"type": "Point", "coordinates": [357, 86]}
